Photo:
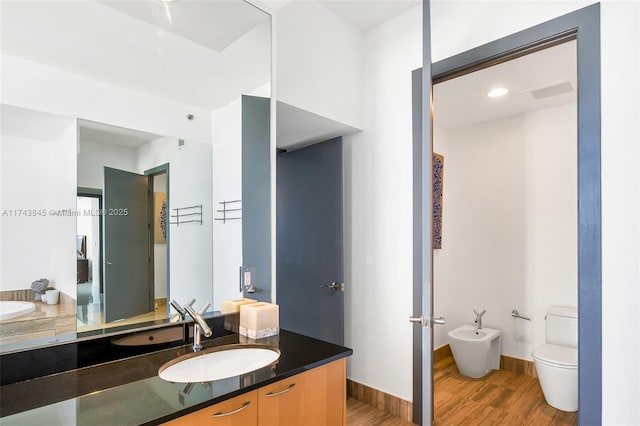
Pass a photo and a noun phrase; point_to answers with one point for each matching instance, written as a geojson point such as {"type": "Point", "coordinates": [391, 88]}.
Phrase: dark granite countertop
{"type": "Point", "coordinates": [129, 391]}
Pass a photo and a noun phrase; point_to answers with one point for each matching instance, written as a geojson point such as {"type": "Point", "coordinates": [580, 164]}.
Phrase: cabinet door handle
{"type": "Point", "coordinates": [270, 394]}
{"type": "Point", "coordinates": [237, 410]}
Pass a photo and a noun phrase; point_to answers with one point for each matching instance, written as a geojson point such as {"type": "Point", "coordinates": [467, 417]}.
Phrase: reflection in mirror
{"type": "Point", "coordinates": [84, 81]}
{"type": "Point", "coordinates": [131, 185]}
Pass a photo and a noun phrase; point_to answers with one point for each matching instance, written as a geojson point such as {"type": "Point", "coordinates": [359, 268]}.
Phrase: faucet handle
{"type": "Point", "coordinates": [181, 313]}
{"type": "Point", "coordinates": [480, 314]}
{"type": "Point", "coordinates": [206, 330]}
{"type": "Point", "coordinates": [177, 307]}
{"type": "Point", "coordinates": [204, 308]}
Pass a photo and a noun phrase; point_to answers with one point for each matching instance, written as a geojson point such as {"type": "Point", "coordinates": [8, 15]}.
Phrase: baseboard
{"type": "Point", "coordinates": [382, 401]}
{"type": "Point", "coordinates": [517, 365]}
{"type": "Point", "coordinates": [441, 353]}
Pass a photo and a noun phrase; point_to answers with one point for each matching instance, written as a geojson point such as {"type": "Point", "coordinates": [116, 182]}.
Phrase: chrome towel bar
{"type": "Point", "coordinates": [516, 314]}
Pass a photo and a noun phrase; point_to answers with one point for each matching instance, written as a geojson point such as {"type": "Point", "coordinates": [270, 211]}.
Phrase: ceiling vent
{"type": "Point", "coordinates": [554, 89]}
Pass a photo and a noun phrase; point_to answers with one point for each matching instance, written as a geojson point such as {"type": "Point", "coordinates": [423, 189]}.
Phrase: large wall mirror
{"type": "Point", "coordinates": [124, 160]}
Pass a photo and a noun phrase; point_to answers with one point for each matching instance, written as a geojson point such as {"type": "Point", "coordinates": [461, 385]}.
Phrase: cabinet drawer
{"type": "Point", "coordinates": [239, 411]}
{"type": "Point", "coordinates": [282, 403]}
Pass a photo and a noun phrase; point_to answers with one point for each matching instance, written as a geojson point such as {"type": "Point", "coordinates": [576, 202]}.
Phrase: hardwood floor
{"type": "Point", "coordinates": [361, 414]}
{"type": "Point", "coordinates": [95, 318]}
{"type": "Point", "coordinates": [500, 398]}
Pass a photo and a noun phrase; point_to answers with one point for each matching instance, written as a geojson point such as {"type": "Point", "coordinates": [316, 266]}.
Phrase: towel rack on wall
{"type": "Point", "coordinates": [235, 215]}
{"type": "Point", "coordinates": [516, 314]}
{"type": "Point", "coordinates": [187, 215]}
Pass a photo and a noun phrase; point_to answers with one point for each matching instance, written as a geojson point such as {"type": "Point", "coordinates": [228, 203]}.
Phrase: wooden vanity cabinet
{"type": "Point", "coordinates": [282, 403]}
{"type": "Point", "coordinates": [239, 411]}
{"type": "Point", "coordinates": [325, 396]}
{"type": "Point", "coordinates": [317, 397]}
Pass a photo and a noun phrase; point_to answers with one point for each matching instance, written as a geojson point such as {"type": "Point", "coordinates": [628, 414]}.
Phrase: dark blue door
{"type": "Point", "coordinates": [309, 258]}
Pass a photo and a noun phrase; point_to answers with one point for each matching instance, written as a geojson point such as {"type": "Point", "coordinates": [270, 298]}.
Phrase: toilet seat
{"type": "Point", "coordinates": [557, 356]}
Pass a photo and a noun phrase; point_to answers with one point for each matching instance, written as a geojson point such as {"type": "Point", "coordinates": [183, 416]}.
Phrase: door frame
{"type": "Point", "coordinates": [95, 193]}
{"type": "Point", "coordinates": [158, 170]}
{"type": "Point", "coordinates": [582, 25]}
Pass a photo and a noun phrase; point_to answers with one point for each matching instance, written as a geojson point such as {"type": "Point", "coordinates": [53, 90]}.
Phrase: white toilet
{"type": "Point", "coordinates": [557, 361]}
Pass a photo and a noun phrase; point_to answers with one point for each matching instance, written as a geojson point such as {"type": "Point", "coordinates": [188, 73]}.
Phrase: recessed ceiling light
{"type": "Point", "coordinates": [497, 92]}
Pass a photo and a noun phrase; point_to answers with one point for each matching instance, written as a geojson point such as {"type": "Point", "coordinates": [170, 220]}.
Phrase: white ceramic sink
{"type": "Point", "coordinates": [13, 309]}
{"type": "Point", "coordinates": [218, 363]}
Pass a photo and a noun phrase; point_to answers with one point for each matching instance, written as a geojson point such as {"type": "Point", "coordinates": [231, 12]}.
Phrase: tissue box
{"type": "Point", "coordinates": [231, 322]}
{"type": "Point", "coordinates": [230, 306]}
{"type": "Point", "coordinates": [258, 320]}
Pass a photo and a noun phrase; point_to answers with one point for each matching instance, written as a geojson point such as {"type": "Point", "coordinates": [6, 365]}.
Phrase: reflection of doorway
{"type": "Point", "coordinates": [507, 161]}
{"type": "Point", "coordinates": [128, 278]}
{"type": "Point", "coordinates": [89, 252]}
{"type": "Point", "coordinates": [160, 235]}
{"type": "Point", "coordinates": [128, 252]}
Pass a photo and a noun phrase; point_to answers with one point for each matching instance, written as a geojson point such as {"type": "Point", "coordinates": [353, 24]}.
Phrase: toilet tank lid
{"type": "Point", "coordinates": [563, 311]}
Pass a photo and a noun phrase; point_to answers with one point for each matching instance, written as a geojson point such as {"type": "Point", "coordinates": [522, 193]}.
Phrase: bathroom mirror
{"type": "Point", "coordinates": [168, 75]}
{"type": "Point", "coordinates": [128, 180]}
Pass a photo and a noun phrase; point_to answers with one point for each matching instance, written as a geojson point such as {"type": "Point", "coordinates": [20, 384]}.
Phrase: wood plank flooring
{"type": "Point", "coordinates": [361, 414]}
{"type": "Point", "coordinates": [500, 398]}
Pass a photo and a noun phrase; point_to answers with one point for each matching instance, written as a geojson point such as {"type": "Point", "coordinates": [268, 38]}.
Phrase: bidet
{"type": "Point", "coordinates": [476, 351]}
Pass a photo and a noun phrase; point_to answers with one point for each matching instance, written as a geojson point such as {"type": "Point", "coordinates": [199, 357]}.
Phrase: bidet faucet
{"type": "Point", "coordinates": [479, 317]}
{"type": "Point", "coordinates": [200, 326]}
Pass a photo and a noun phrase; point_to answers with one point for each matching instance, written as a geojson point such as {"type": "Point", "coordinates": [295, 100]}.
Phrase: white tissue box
{"type": "Point", "coordinates": [258, 320]}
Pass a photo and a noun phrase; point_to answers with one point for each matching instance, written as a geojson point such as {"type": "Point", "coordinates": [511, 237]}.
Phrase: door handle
{"type": "Point", "coordinates": [334, 286]}
{"type": "Point", "coordinates": [108, 263]}
{"type": "Point", "coordinates": [438, 321]}
{"type": "Point", "coordinates": [425, 322]}
{"type": "Point", "coordinates": [421, 320]}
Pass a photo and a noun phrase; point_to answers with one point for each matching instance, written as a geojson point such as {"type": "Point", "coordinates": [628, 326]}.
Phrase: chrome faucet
{"type": "Point", "coordinates": [181, 313]}
{"type": "Point", "coordinates": [200, 326]}
{"type": "Point", "coordinates": [479, 317]}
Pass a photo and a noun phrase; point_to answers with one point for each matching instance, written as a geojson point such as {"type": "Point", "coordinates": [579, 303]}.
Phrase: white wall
{"type": "Point", "coordinates": [190, 183]}
{"type": "Point", "coordinates": [94, 156]}
{"type": "Point", "coordinates": [510, 217]}
{"type": "Point", "coordinates": [43, 88]}
{"type": "Point", "coordinates": [459, 26]}
{"type": "Point", "coordinates": [37, 150]}
{"type": "Point", "coordinates": [319, 62]}
{"type": "Point", "coordinates": [378, 211]}
{"type": "Point", "coordinates": [227, 185]}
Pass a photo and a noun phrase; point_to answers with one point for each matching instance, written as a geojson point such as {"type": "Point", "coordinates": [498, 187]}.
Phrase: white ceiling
{"type": "Point", "coordinates": [130, 44]}
{"type": "Point", "coordinates": [297, 128]}
{"type": "Point", "coordinates": [366, 14]}
{"type": "Point", "coordinates": [463, 101]}
{"type": "Point", "coordinates": [213, 24]}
